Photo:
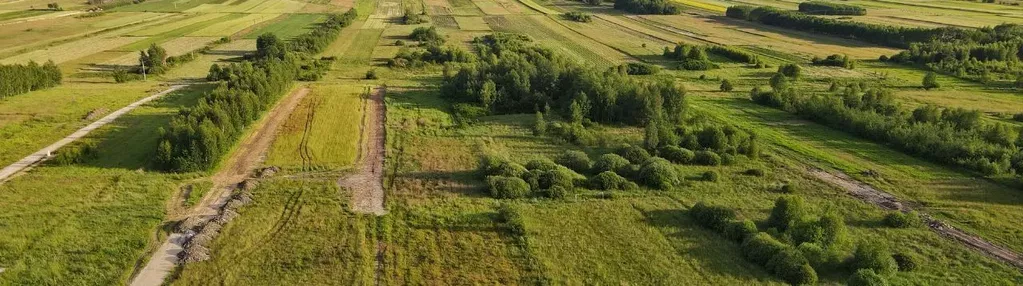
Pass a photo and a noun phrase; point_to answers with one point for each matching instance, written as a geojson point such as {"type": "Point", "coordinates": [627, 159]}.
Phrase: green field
{"type": "Point", "coordinates": [318, 136]}
{"type": "Point", "coordinates": [293, 25]}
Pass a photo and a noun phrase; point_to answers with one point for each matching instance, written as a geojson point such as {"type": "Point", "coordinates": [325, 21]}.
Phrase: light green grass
{"type": "Point", "coordinates": [290, 27]}
{"type": "Point", "coordinates": [323, 132]}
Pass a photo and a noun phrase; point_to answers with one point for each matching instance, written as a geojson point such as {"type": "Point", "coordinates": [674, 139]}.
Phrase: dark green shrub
{"type": "Point", "coordinates": [739, 231]}
{"type": "Point", "coordinates": [874, 255]}
{"type": "Point", "coordinates": [727, 159]}
{"type": "Point", "coordinates": [611, 162]}
{"type": "Point", "coordinates": [790, 265]}
{"type": "Point", "coordinates": [902, 220]}
{"type": "Point", "coordinates": [76, 153]}
{"type": "Point", "coordinates": [677, 154]}
{"type": "Point", "coordinates": [716, 218]}
{"type": "Point", "coordinates": [491, 165]}
{"type": "Point", "coordinates": [635, 154]}
{"type": "Point", "coordinates": [866, 277]}
{"type": "Point", "coordinates": [707, 158]}
{"type": "Point", "coordinates": [558, 177]}
{"type": "Point", "coordinates": [511, 220]}
{"type": "Point", "coordinates": [906, 262]}
{"type": "Point", "coordinates": [576, 160]}
{"type": "Point", "coordinates": [660, 174]}
{"type": "Point", "coordinates": [813, 253]}
{"type": "Point", "coordinates": [532, 178]}
{"type": "Point", "coordinates": [761, 248]}
{"type": "Point", "coordinates": [756, 172]}
{"type": "Point", "coordinates": [556, 192]}
{"type": "Point", "coordinates": [786, 210]}
{"type": "Point", "coordinates": [711, 176]}
{"type": "Point", "coordinates": [507, 187]}
{"type": "Point", "coordinates": [542, 164]}
{"type": "Point", "coordinates": [608, 180]}
{"type": "Point", "coordinates": [372, 74]}
{"type": "Point", "coordinates": [787, 188]}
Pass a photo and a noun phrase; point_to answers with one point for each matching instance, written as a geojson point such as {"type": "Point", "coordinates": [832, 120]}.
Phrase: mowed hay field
{"type": "Point", "coordinates": [289, 27]}
{"type": "Point", "coordinates": [324, 131]}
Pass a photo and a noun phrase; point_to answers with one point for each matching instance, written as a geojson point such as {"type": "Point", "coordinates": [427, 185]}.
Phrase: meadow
{"type": "Point", "coordinates": [319, 134]}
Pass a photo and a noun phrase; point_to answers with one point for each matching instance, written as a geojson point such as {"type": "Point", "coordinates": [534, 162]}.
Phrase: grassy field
{"type": "Point", "coordinates": [291, 26]}
{"type": "Point", "coordinates": [321, 133]}
{"type": "Point", "coordinates": [232, 26]}
{"type": "Point", "coordinates": [552, 34]}
{"type": "Point", "coordinates": [107, 213]}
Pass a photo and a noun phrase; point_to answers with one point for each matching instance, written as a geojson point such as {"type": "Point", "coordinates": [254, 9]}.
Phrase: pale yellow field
{"type": "Point", "coordinates": [228, 28]}
{"type": "Point", "coordinates": [471, 23]}
{"type": "Point", "coordinates": [277, 7]}
{"type": "Point", "coordinates": [225, 8]}
{"type": "Point", "coordinates": [160, 29]}
{"type": "Point", "coordinates": [72, 50]}
{"type": "Point", "coordinates": [175, 47]}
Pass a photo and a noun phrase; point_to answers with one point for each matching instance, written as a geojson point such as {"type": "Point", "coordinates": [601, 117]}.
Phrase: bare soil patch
{"type": "Point", "coordinates": [366, 183]}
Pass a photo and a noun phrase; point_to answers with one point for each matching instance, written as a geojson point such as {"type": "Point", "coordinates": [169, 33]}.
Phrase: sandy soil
{"type": "Point", "coordinates": [366, 183]}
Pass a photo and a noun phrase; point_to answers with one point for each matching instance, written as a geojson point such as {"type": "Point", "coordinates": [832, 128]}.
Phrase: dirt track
{"type": "Point", "coordinates": [247, 157]}
{"type": "Point", "coordinates": [887, 201]}
{"type": "Point", "coordinates": [367, 182]}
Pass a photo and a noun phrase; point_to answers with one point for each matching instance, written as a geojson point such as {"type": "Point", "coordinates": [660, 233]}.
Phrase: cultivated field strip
{"type": "Point", "coordinates": [230, 27]}
{"type": "Point", "coordinates": [71, 51]}
{"type": "Point", "coordinates": [557, 36]}
{"type": "Point", "coordinates": [191, 20]}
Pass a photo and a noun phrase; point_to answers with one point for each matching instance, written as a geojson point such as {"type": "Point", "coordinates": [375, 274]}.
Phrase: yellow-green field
{"type": "Point", "coordinates": [322, 132]}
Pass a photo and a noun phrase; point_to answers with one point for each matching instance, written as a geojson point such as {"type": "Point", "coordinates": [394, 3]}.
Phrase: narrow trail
{"type": "Point", "coordinates": [887, 201]}
{"type": "Point", "coordinates": [246, 158]}
{"type": "Point", "coordinates": [44, 153]}
{"type": "Point", "coordinates": [367, 182]}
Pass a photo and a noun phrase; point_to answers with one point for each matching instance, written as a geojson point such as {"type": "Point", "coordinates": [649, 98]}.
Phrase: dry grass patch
{"type": "Point", "coordinates": [323, 133]}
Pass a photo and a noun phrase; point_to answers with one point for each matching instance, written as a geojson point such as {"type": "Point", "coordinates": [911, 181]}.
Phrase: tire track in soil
{"type": "Point", "coordinates": [249, 154]}
{"type": "Point", "coordinates": [887, 201]}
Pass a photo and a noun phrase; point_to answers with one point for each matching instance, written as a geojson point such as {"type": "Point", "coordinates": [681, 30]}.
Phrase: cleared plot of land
{"type": "Point", "coordinates": [70, 51]}
{"type": "Point", "coordinates": [14, 16]}
{"type": "Point", "coordinates": [539, 8]}
{"type": "Point", "coordinates": [21, 36]}
{"type": "Point", "coordinates": [323, 132]}
{"type": "Point", "coordinates": [360, 52]}
{"type": "Point", "coordinates": [491, 7]}
{"type": "Point", "coordinates": [471, 23]}
{"type": "Point", "coordinates": [290, 223]}
{"type": "Point", "coordinates": [191, 20]}
{"type": "Point", "coordinates": [556, 36]}
{"type": "Point", "coordinates": [227, 28]}
{"type": "Point", "coordinates": [290, 27]}
{"type": "Point", "coordinates": [277, 7]}
{"type": "Point", "coordinates": [105, 215]}
{"type": "Point", "coordinates": [619, 38]}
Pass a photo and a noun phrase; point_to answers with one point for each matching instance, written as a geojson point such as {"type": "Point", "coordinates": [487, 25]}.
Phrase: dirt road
{"type": "Point", "coordinates": [250, 153]}
{"type": "Point", "coordinates": [44, 153]}
{"type": "Point", "coordinates": [887, 201]}
{"type": "Point", "coordinates": [367, 182]}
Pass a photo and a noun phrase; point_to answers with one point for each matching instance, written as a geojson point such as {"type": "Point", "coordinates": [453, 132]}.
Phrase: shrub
{"type": "Point", "coordinates": [786, 210]}
{"type": "Point", "coordinates": [491, 165]}
{"type": "Point", "coordinates": [713, 217]}
{"type": "Point", "coordinates": [874, 255]}
{"type": "Point", "coordinates": [76, 153]}
{"type": "Point", "coordinates": [902, 220]}
{"type": "Point", "coordinates": [787, 188]}
{"type": "Point", "coordinates": [727, 159]}
{"type": "Point", "coordinates": [761, 248]}
{"type": "Point", "coordinates": [556, 192]}
{"type": "Point", "coordinates": [578, 17]}
{"type": "Point", "coordinates": [813, 252]}
{"type": "Point", "coordinates": [726, 85]}
{"type": "Point", "coordinates": [756, 172]}
{"type": "Point", "coordinates": [426, 35]}
{"type": "Point", "coordinates": [931, 81]}
{"type": "Point", "coordinates": [608, 180]}
{"type": "Point", "coordinates": [511, 220]}
{"type": "Point", "coordinates": [791, 70]}
{"type": "Point", "coordinates": [697, 65]}
{"type": "Point", "coordinates": [739, 231]}
{"type": "Point", "coordinates": [557, 177]}
{"type": "Point", "coordinates": [866, 277]}
{"type": "Point", "coordinates": [372, 74]}
{"type": "Point", "coordinates": [830, 8]}
{"type": "Point", "coordinates": [707, 158]}
{"type": "Point", "coordinates": [791, 266]}
{"type": "Point", "coordinates": [659, 173]}
{"type": "Point", "coordinates": [611, 162]}
{"type": "Point", "coordinates": [542, 164]}
{"type": "Point", "coordinates": [507, 187]}
{"type": "Point", "coordinates": [633, 153]}
{"type": "Point", "coordinates": [711, 176]}
{"type": "Point", "coordinates": [576, 160]}
{"type": "Point", "coordinates": [677, 155]}
{"type": "Point", "coordinates": [906, 262]}
{"type": "Point", "coordinates": [739, 12]}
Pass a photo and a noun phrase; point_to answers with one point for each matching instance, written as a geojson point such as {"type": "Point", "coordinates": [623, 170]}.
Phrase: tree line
{"type": "Point", "coordinates": [953, 136]}
{"type": "Point", "coordinates": [22, 78]}
{"type": "Point", "coordinates": [658, 7]}
{"type": "Point", "coordinates": [993, 56]}
{"type": "Point", "coordinates": [198, 137]}
{"type": "Point", "coordinates": [694, 57]}
{"type": "Point", "coordinates": [830, 8]}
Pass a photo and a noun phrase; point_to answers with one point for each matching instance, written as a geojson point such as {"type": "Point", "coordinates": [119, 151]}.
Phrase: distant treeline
{"type": "Point", "coordinates": [659, 7]}
{"type": "Point", "coordinates": [199, 136]}
{"type": "Point", "coordinates": [995, 55]}
{"type": "Point", "coordinates": [525, 78]}
{"type": "Point", "coordinates": [694, 57]}
{"type": "Point", "coordinates": [17, 79]}
{"type": "Point", "coordinates": [830, 8]}
{"type": "Point", "coordinates": [952, 136]}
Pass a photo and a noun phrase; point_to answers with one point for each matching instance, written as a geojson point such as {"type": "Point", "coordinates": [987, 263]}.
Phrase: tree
{"type": "Point", "coordinates": [268, 45]}
{"type": "Point", "coordinates": [153, 59]}
{"type": "Point", "coordinates": [650, 138]}
{"type": "Point", "coordinates": [779, 82]}
{"type": "Point", "coordinates": [931, 81]}
{"type": "Point", "coordinates": [539, 124]}
{"type": "Point", "coordinates": [786, 210]}
{"type": "Point", "coordinates": [488, 94]}
{"type": "Point", "coordinates": [793, 71]}
{"type": "Point", "coordinates": [726, 85]}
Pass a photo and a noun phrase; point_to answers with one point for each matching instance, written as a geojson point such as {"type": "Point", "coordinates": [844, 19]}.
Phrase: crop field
{"type": "Point", "coordinates": [408, 154]}
{"type": "Point", "coordinates": [317, 135]}
{"type": "Point", "coordinates": [291, 26]}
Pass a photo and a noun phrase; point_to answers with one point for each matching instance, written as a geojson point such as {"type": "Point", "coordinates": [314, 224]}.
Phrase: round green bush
{"type": "Point", "coordinates": [787, 188]}
{"type": "Point", "coordinates": [635, 154]}
{"type": "Point", "coordinates": [756, 172]}
{"type": "Point", "coordinates": [607, 180]}
{"type": "Point", "coordinates": [507, 187]}
{"type": "Point", "coordinates": [791, 266]}
{"type": "Point", "coordinates": [761, 247]}
{"type": "Point", "coordinates": [876, 256]}
{"type": "Point", "coordinates": [786, 210]}
{"type": "Point", "coordinates": [576, 160]}
{"type": "Point", "coordinates": [659, 174]}
{"type": "Point", "coordinates": [739, 231]}
{"type": "Point", "coordinates": [630, 186]}
{"type": "Point", "coordinates": [542, 164]}
{"type": "Point", "coordinates": [707, 158]}
{"type": "Point", "coordinates": [508, 169]}
{"type": "Point", "coordinates": [906, 262]}
{"type": "Point", "coordinates": [557, 177]}
{"type": "Point", "coordinates": [711, 176]}
{"type": "Point", "coordinates": [713, 217]}
{"type": "Point", "coordinates": [556, 192]}
{"type": "Point", "coordinates": [610, 162]}
{"type": "Point", "coordinates": [677, 154]}
{"type": "Point", "coordinates": [866, 277]}
{"type": "Point", "coordinates": [532, 178]}
{"type": "Point", "coordinates": [902, 220]}
{"type": "Point", "coordinates": [813, 253]}
{"type": "Point", "coordinates": [727, 159]}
